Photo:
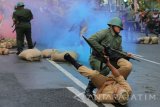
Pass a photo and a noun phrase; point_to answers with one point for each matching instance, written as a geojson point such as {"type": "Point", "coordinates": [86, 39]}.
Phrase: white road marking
{"type": "Point", "coordinates": [81, 96]}
{"type": "Point", "coordinates": [136, 55]}
{"type": "Point", "coordinates": [74, 79]}
{"type": "Point", "coordinates": [108, 105]}
{"type": "Point", "coordinates": [69, 75]}
{"type": "Point", "coordinates": [148, 60]}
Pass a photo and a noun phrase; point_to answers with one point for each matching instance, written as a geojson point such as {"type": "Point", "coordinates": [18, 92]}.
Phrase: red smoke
{"type": "Point", "coordinates": [1, 17]}
{"type": "Point", "coordinates": [5, 27]}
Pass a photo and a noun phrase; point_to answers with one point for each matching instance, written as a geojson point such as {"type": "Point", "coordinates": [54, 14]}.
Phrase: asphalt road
{"type": "Point", "coordinates": [45, 84]}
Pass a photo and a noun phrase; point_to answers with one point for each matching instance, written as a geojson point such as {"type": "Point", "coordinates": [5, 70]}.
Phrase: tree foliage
{"type": "Point", "coordinates": [149, 4]}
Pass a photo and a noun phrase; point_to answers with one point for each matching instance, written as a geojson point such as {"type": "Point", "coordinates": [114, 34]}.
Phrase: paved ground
{"type": "Point", "coordinates": [38, 84]}
{"type": "Point", "coordinates": [42, 84]}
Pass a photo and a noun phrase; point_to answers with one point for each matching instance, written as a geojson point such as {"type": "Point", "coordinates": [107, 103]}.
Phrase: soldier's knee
{"type": "Point", "coordinates": [129, 66]}
{"type": "Point", "coordinates": [124, 64]}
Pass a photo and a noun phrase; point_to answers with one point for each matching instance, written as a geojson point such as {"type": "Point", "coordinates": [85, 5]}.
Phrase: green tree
{"type": "Point", "coordinates": [149, 4]}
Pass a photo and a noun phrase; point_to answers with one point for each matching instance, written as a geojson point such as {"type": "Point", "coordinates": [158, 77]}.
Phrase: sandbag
{"type": "Point", "coordinates": [3, 40]}
{"type": "Point", "coordinates": [8, 43]}
{"type": "Point", "coordinates": [154, 40]}
{"type": "Point", "coordinates": [14, 44]}
{"type": "Point", "coordinates": [31, 55]}
{"type": "Point", "coordinates": [59, 56]}
{"type": "Point", "coordinates": [148, 40]}
{"type": "Point", "coordinates": [140, 40]}
{"type": "Point", "coordinates": [1, 52]}
{"type": "Point", "coordinates": [47, 53]}
{"type": "Point", "coordinates": [4, 51]}
{"type": "Point", "coordinates": [3, 45]}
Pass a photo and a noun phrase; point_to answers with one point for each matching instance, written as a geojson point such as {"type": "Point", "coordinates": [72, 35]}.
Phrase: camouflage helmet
{"type": "Point", "coordinates": [116, 22]}
{"type": "Point", "coordinates": [19, 4]}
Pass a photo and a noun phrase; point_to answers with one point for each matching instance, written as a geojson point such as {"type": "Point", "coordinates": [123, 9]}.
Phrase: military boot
{"type": "Point", "coordinates": [71, 60]}
{"type": "Point", "coordinates": [89, 90]}
{"type": "Point", "coordinates": [19, 51]}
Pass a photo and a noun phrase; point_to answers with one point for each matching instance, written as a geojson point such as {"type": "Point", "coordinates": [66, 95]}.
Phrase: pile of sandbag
{"type": "Point", "coordinates": [57, 55]}
{"type": "Point", "coordinates": [148, 40]}
{"type": "Point", "coordinates": [53, 54]}
{"type": "Point", "coordinates": [7, 43]}
{"type": "Point", "coordinates": [35, 54]}
{"type": "Point", "coordinates": [31, 55]}
{"type": "Point", "coordinates": [4, 51]}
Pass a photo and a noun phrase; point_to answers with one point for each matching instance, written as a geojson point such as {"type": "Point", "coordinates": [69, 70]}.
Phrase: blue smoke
{"type": "Point", "coordinates": [61, 27]}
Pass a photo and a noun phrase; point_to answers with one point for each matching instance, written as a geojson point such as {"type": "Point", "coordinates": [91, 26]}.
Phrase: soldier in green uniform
{"type": "Point", "coordinates": [22, 17]}
{"type": "Point", "coordinates": [107, 37]}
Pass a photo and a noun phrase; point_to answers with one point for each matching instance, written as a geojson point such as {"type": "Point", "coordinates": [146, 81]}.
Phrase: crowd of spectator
{"type": "Point", "coordinates": [146, 21]}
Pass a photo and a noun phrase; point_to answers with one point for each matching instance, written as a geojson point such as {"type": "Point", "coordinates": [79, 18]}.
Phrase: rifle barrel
{"type": "Point", "coordinates": [122, 53]}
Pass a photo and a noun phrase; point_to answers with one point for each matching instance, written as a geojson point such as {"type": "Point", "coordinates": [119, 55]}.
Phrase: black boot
{"type": "Point", "coordinates": [19, 51]}
{"type": "Point", "coordinates": [32, 46]}
{"type": "Point", "coordinates": [70, 59]}
{"type": "Point", "coordinates": [89, 90]}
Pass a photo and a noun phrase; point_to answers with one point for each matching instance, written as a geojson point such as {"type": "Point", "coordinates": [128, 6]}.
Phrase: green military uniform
{"type": "Point", "coordinates": [106, 37]}
{"type": "Point", "coordinates": [23, 17]}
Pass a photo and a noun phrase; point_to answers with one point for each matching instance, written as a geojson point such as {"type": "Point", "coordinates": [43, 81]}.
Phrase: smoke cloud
{"type": "Point", "coordinates": [59, 24]}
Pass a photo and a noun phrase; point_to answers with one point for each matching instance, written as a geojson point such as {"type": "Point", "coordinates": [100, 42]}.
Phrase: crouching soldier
{"type": "Point", "coordinates": [111, 89]}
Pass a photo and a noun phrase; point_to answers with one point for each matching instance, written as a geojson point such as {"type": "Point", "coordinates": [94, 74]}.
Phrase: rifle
{"type": "Point", "coordinates": [14, 29]}
{"type": "Point", "coordinates": [14, 23]}
{"type": "Point", "coordinates": [101, 55]}
{"type": "Point", "coordinates": [111, 53]}
{"type": "Point", "coordinates": [116, 54]}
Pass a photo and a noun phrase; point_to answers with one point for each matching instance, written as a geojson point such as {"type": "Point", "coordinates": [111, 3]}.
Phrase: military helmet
{"type": "Point", "coordinates": [19, 4]}
{"type": "Point", "coordinates": [116, 22]}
